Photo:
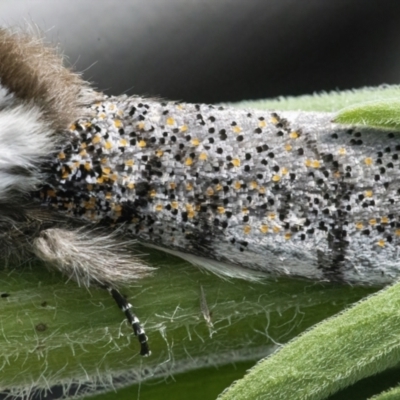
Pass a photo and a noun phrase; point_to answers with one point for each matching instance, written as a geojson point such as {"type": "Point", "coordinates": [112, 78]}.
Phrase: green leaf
{"type": "Point", "coordinates": [329, 102]}
{"type": "Point", "coordinates": [379, 114]}
{"type": "Point", "coordinates": [53, 333]}
{"type": "Point", "coordinates": [360, 342]}
{"type": "Point", "coordinates": [392, 394]}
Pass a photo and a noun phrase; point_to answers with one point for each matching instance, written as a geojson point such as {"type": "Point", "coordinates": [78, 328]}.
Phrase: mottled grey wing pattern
{"type": "Point", "coordinates": [286, 193]}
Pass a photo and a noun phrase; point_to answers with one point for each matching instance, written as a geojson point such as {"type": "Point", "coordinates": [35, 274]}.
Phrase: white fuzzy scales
{"type": "Point", "coordinates": [25, 143]}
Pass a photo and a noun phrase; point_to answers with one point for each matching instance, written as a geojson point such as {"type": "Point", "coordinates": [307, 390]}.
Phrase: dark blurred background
{"type": "Point", "coordinates": [221, 50]}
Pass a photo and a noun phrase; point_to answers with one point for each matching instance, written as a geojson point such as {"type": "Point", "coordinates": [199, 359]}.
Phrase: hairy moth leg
{"type": "Point", "coordinates": [93, 257]}
{"type": "Point", "coordinates": [125, 307]}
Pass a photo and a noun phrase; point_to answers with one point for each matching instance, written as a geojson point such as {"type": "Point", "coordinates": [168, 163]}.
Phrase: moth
{"type": "Point", "coordinates": [243, 193]}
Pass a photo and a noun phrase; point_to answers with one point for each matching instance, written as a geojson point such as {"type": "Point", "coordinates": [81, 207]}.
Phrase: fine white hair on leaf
{"type": "Point", "coordinates": [204, 308]}
{"type": "Point", "coordinates": [89, 256]}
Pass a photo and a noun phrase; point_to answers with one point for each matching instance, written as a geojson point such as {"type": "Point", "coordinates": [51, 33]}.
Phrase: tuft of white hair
{"type": "Point", "coordinates": [26, 141]}
{"type": "Point", "coordinates": [88, 257]}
